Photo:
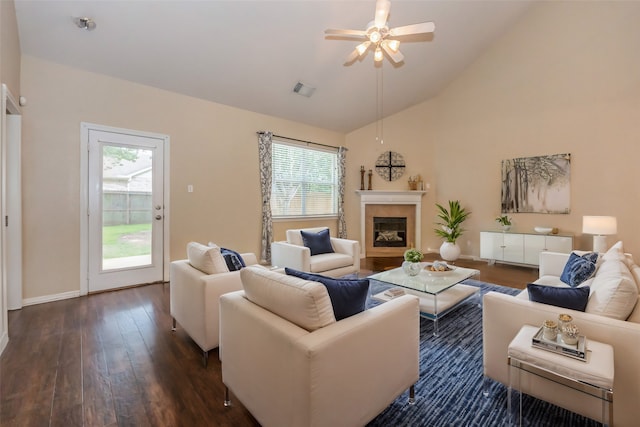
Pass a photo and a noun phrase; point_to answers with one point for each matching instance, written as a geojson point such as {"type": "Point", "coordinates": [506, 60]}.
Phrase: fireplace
{"type": "Point", "coordinates": [389, 229]}
{"type": "Point", "coordinates": [389, 232]}
{"type": "Point", "coordinates": [399, 229]}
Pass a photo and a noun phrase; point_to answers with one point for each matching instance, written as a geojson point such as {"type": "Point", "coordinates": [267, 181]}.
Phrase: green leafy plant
{"type": "Point", "coordinates": [503, 220]}
{"type": "Point", "coordinates": [451, 221]}
{"type": "Point", "coordinates": [413, 255]}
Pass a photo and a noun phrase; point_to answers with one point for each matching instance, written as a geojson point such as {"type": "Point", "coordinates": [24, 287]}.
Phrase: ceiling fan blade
{"type": "Point", "coordinates": [382, 12]}
{"type": "Point", "coordinates": [346, 33]}
{"type": "Point", "coordinates": [396, 55]}
{"type": "Point", "coordinates": [352, 56]}
{"type": "Point", "coordinates": [424, 27]}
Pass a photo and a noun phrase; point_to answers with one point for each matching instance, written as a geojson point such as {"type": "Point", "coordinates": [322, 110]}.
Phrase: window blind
{"type": "Point", "coordinates": [304, 181]}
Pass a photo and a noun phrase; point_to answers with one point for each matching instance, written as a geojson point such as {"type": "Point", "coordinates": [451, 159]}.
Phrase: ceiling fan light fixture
{"type": "Point", "coordinates": [377, 56]}
{"type": "Point", "coordinates": [394, 45]}
{"type": "Point", "coordinates": [362, 48]}
{"type": "Point", "coordinates": [379, 35]}
{"type": "Point", "coordinates": [375, 36]}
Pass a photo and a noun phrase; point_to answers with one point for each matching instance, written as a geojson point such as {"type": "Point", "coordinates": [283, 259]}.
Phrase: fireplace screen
{"type": "Point", "coordinates": [389, 231]}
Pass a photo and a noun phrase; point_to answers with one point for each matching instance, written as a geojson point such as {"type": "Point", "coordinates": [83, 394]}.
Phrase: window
{"type": "Point", "coordinates": [304, 181]}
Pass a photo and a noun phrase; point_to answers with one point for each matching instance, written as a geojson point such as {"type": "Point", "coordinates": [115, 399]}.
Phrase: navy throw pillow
{"type": "Point", "coordinates": [233, 259]}
{"type": "Point", "coordinates": [318, 243]}
{"type": "Point", "coordinates": [571, 298]}
{"type": "Point", "coordinates": [578, 268]}
{"type": "Point", "coordinates": [348, 297]}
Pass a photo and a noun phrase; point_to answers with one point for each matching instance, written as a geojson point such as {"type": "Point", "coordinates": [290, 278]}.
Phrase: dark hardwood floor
{"type": "Point", "coordinates": [110, 359]}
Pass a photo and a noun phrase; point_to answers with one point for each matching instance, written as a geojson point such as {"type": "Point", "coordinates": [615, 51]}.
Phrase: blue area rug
{"type": "Point", "coordinates": [449, 391]}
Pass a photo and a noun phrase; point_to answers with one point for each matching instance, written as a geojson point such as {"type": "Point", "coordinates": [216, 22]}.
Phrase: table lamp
{"type": "Point", "coordinates": [600, 227]}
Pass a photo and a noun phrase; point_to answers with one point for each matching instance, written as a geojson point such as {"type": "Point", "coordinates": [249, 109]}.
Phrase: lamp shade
{"type": "Point", "coordinates": [599, 225]}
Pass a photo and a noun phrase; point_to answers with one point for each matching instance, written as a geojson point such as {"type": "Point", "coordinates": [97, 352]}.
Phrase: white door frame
{"type": "Point", "coordinates": [84, 198]}
{"type": "Point", "coordinates": [8, 173]}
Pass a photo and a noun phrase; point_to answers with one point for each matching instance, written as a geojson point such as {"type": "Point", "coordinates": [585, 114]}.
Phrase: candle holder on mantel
{"type": "Point", "coordinates": [370, 173]}
{"type": "Point", "coordinates": [361, 177]}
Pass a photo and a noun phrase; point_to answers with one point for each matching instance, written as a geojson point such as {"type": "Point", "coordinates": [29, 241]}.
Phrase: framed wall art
{"type": "Point", "coordinates": [537, 184]}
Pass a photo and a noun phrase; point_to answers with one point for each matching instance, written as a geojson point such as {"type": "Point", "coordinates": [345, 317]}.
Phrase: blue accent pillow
{"type": "Point", "coordinates": [348, 297]}
{"type": "Point", "coordinates": [572, 298]}
{"type": "Point", "coordinates": [318, 243]}
{"type": "Point", "coordinates": [233, 259]}
{"type": "Point", "coordinates": [578, 268]}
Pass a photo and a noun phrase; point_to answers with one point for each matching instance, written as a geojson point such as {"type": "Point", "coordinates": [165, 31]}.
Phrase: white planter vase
{"type": "Point", "coordinates": [449, 251]}
{"type": "Point", "coordinates": [411, 268]}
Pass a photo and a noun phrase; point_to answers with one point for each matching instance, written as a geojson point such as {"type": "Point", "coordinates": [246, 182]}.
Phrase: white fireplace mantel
{"type": "Point", "coordinates": [389, 197]}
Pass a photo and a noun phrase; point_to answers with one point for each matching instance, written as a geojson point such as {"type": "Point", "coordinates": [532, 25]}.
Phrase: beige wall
{"type": "Point", "coordinates": [213, 147]}
{"type": "Point", "coordinates": [566, 79]}
{"type": "Point", "coordinates": [410, 133]}
{"type": "Point", "coordinates": [9, 47]}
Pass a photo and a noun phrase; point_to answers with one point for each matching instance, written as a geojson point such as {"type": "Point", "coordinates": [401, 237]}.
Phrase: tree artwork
{"type": "Point", "coordinates": [537, 184]}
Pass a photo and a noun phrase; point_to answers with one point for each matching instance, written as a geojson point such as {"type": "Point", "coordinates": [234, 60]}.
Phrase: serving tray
{"type": "Point", "coordinates": [438, 273]}
{"type": "Point", "coordinates": [576, 351]}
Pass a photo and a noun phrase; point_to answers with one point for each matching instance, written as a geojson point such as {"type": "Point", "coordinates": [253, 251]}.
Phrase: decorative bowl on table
{"type": "Point", "coordinates": [543, 230]}
{"type": "Point", "coordinates": [438, 268]}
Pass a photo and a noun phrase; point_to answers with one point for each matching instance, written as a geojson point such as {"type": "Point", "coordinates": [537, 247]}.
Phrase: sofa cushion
{"type": "Point", "coordinates": [301, 302]}
{"type": "Point", "coordinates": [207, 259]}
{"type": "Point", "coordinates": [551, 281]}
{"type": "Point", "coordinates": [635, 313]}
{"type": "Point", "coordinates": [614, 290]}
{"type": "Point", "coordinates": [579, 268]}
{"type": "Point", "coordinates": [348, 297]}
{"type": "Point", "coordinates": [326, 262]}
{"type": "Point", "coordinates": [318, 243]}
{"type": "Point", "coordinates": [615, 253]}
{"type": "Point", "coordinates": [571, 298]}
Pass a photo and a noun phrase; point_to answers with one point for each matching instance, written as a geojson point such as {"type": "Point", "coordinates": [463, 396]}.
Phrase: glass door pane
{"type": "Point", "coordinates": [127, 207]}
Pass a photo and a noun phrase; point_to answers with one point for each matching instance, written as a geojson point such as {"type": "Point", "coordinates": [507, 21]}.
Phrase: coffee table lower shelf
{"type": "Point", "coordinates": [434, 307]}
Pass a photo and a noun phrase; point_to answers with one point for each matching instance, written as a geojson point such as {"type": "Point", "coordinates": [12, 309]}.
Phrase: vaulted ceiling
{"type": "Point", "coordinates": [251, 54]}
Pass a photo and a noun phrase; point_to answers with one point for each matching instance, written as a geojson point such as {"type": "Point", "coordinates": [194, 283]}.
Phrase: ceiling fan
{"type": "Point", "coordinates": [379, 37]}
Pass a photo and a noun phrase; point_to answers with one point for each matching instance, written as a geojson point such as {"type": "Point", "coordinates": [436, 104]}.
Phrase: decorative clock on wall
{"type": "Point", "coordinates": [390, 165]}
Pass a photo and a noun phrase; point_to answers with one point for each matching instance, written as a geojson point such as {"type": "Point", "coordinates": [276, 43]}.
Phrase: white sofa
{"type": "Point", "coordinates": [290, 363]}
{"type": "Point", "coordinates": [293, 254]}
{"type": "Point", "coordinates": [194, 298]}
{"type": "Point", "coordinates": [504, 315]}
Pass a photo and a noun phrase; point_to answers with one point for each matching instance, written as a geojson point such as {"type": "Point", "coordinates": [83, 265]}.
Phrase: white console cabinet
{"type": "Point", "coordinates": [521, 248]}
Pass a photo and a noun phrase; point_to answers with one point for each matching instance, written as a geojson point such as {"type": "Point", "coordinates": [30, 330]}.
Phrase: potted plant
{"type": "Point", "coordinates": [411, 264]}
{"type": "Point", "coordinates": [504, 221]}
{"type": "Point", "coordinates": [450, 228]}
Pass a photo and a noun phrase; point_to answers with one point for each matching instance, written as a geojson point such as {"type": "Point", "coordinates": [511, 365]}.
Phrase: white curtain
{"type": "Point", "coordinates": [264, 144]}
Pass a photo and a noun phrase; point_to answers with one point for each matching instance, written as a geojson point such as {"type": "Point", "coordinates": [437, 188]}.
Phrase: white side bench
{"type": "Point", "coordinates": [567, 381]}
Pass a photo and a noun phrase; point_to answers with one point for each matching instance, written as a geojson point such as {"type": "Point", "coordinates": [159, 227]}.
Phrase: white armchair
{"type": "Point", "coordinates": [194, 300]}
{"type": "Point", "coordinates": [290, 363]}
{"type": "Point", "coordinates": [293, 254]}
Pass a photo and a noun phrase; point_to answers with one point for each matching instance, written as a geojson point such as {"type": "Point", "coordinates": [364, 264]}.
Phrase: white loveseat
{"type": "Point", "coordinates": [195, 292]}
{"type": "Point", "coordinates": [293, 254]}
{"type": "Point", "coordinates": [504, 315]}
{"type": "Point", "coordinates": [290, 363]}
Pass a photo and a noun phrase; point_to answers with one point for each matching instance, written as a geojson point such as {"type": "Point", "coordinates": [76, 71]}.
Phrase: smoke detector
{"type": "Point", "coordinates": [85, 23]}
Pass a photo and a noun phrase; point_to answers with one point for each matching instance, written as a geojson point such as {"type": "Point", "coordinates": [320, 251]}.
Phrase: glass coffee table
{"type": "Point", "coordinates": [439, 292]}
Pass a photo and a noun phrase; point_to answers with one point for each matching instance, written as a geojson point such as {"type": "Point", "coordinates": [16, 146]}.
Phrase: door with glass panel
{"type": "Point", "coordinates": [126, 210]}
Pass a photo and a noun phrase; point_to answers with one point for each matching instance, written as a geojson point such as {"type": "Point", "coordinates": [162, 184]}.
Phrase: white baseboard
{"type": "Point", "coordinates": [50, 298]}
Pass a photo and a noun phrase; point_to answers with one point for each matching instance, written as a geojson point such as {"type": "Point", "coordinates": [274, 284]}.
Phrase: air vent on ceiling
{"type": "Point", "coordinates": [303, 89]}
